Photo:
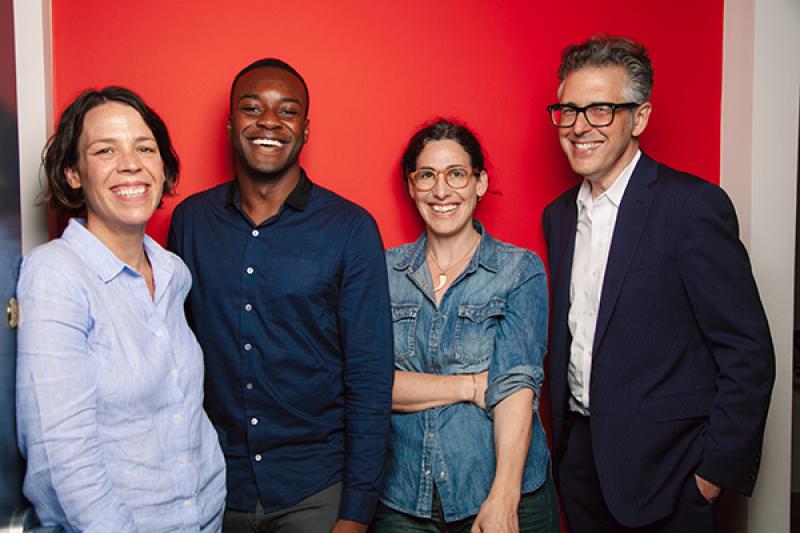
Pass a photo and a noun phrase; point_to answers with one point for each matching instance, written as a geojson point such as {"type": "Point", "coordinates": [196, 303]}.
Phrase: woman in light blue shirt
{"type": "Point", "coordinates": [109, 375]}
{"type": "Point", "coordinates": [470, 315]}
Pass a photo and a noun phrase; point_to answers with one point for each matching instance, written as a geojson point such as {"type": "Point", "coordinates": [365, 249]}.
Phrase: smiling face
{"type": "Point", "coordinates": [447, 211]}
{"type": "Point", "coordinates": [119, 169]}
{"type": "Point", "coordinates": [268, 124]}
{"type": "Point", "coordinates": [600, 154]}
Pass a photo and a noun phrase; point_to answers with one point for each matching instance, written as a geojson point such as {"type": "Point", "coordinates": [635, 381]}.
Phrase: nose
{"type": "Point", "coordinates": [129, 161]}
{"type": "Point", "coordinates": [440, 188]}
{"type": "Point", "coordinates": [581, 125]}
{"type": "Point", "coordinates": [268, 119]}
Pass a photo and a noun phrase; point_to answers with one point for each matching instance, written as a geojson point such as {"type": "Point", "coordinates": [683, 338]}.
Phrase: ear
{"type": "Point", "coordinates": [410, 187]}
{"type": "Point", "coordinates": [228, 127]}
{"type": "Point", "coordinates": [305, 130]}
{"type": "Point", "coordinates": [482, 184]}
{"type": "Point", "coordinates": [640, 118]}
{"type": "Point", "coordinates": [73, 178]}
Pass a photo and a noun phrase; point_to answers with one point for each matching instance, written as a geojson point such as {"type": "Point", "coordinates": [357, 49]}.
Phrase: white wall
{"type": "Point", "coordinates": [759, 136]}
{"type": "Point", "coordinates": [34, 110]}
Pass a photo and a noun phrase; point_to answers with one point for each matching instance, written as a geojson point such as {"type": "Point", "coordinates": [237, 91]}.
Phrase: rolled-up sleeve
{"type": "Point", "coordinates": [521, 337]}
{"type": "Point", "coordinates": [56, 405]}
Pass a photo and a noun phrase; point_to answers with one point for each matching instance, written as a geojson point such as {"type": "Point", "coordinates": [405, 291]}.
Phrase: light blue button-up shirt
{"type": "Point", "coordinates": [493, 317]}
{"type": "Point", "coordinates": [110, 393]}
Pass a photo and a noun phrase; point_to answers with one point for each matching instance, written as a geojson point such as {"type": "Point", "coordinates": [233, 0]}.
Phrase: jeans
{"type": "Point", "coordinates": [537, 513]}
{"type": "Point", "coordinates": [315, 514]}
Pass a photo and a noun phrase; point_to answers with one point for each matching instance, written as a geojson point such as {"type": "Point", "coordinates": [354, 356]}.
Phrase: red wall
{"type": "Point", "coordinates": [378, 69]}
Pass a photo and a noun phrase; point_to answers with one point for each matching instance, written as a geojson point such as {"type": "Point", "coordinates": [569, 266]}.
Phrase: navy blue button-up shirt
{"type": "Point", "coordinates": [294, 319]}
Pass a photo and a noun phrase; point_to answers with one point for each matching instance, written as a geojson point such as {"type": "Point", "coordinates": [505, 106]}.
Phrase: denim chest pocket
{"type": "Point", "coordinates": [476, 329]}
{"type": "Point", "coordinates": [404, 326]}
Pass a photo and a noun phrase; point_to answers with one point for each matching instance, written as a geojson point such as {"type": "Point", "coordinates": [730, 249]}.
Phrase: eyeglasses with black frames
{"type": "Point", "coordinates": [456, 177]}
{"type": "Point", "coordinates": [597, 115]}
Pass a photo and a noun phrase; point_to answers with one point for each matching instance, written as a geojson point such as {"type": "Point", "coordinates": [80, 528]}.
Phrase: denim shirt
{"type": "Point", "coordinates": [493, 317]}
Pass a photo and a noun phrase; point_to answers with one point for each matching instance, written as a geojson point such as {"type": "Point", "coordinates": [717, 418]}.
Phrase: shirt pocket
{"type": "Point", "coordinates": [404, 326]}
{"type": "Point", "coordinates": [476, 327]}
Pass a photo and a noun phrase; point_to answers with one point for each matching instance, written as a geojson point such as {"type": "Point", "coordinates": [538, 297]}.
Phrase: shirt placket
{"type": "Point", "coordinates": [248, 333]}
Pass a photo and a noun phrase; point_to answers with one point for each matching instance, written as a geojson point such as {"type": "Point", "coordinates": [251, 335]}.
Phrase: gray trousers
{"type": "Point", "coordinates": [316, 514]}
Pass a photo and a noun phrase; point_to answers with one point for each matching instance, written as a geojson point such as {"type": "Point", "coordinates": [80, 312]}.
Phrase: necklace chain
{"type": "Point", "coordinates": [443, 271]}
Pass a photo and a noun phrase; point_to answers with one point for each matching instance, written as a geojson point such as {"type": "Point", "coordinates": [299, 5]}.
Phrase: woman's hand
{"type": "Point", "coordinates": [480, 384]}
{"type": "Point", "coordinates": [497, 515]}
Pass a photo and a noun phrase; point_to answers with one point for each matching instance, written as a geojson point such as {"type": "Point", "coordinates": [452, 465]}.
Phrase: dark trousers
{"type": "Point", "coordinates": [537, 513]}
{"type": "Point", "coordinates": [315, 514]}
{"type": "Point", "coordinates": [583, 502]}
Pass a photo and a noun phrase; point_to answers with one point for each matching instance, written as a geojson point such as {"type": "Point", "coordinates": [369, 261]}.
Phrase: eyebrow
{"type": "Point", "coordinates": [111, 140]}
{"type": "Point", "coordinates": [256, 97]}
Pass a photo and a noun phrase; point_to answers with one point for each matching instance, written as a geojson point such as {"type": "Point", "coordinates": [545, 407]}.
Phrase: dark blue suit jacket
{"type": "Point", "coordinates": [682, 364]}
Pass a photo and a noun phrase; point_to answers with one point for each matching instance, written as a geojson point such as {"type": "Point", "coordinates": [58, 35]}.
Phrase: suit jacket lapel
{"type": "Point", "coordinates": [631, 220]}
{"type": "Point", "coordinates": [563, 273]}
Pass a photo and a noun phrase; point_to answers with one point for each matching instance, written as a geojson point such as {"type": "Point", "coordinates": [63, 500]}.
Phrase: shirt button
{"type": "Point", "coordinates": [187, 503]}
{"type": "Point", "coordinates": [182, 459]}
{"type": "Point", "coordinates": [249, 386]}
{"type": "Point", "coordinates": [253, 421]}
{"type": "Point", "coordinates": [249, 270]}
{"type": "Point", "coordinates": [254, 233]}
{"type": "Point", "coordinates": [427, 472]}
{"type": "Point", "coordinates": [160, 333]}
{"type": "Point", "coordinates": [248, 307]}
{"type": "Point", "coordinates": [177, 417]}
{"type": "Point", "coordinates": [248, 347]}
{"type": "Point", "coordinates": [257, 457]}
{"type": "Point", "coordinates": [442, 475]}
{"type": "Point", "coordinates": [430, 435]}
{"type": "Point", "coordinates": [173, 373]}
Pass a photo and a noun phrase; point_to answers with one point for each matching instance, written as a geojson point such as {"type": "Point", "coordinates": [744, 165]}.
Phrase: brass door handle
{"type": "Point", "coordinates": [12, 311]}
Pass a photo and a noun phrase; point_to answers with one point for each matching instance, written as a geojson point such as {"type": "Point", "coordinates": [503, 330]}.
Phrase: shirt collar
{"type": "Point", "coordinates": [103, 262]}
{"type": "Point", "coordinates": [614, 193]}
{"type": "Point", "coordinates": [485, 257]}
{"type": "Point", "coordinates": [297, 199]}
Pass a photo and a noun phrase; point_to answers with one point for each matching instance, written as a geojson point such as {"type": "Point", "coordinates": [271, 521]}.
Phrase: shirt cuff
{"type": "Point", "coordinates": [357, 506]}
{"type": "Point", "coordinates": [519, 377]}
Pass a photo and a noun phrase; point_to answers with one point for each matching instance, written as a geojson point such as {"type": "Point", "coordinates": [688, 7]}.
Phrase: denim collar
{"type": "Point", "coordinates": [413, 256]}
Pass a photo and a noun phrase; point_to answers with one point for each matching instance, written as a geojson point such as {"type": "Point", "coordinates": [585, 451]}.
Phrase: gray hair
{"type": "Point", "coordinates": [602, 50]}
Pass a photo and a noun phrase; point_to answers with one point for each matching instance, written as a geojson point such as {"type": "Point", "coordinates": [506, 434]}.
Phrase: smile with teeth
{"type": "Point", "coordinates": [586, 146]}
{"type": "Point", "coordinates": [131, 191]}
{"type": "Point", "coordinates": [449, 208]}
{"type": "Point", "coordinates": [266, 142]}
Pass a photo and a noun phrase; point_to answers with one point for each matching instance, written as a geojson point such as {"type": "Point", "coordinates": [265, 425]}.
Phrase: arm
{"type": "Point", "coordinates": [56, 405]}
{"type": "Point", "coordinates": [716, 273]}
{"type": "Point", "coordinates": [513, 420]}
{"type": "Point", "coordinates": [417, 391]}
{"type": "Point", "coordinates": [365, 331]}
{"type": "Point", "coordinates": [515, 378]}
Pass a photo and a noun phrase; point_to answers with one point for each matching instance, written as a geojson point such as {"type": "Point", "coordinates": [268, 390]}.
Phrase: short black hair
{"type": "Point", "coordinates": [270, 62]}
{"type": "Point", "coordinates": [61, 150]}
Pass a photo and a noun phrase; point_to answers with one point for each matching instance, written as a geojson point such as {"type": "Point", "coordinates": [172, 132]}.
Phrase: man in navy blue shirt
{"type": "Point", "coordinates": [291, 306]}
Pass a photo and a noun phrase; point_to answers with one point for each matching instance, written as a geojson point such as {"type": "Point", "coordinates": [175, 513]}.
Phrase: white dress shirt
{"type": "Point", "coordinates": [593, 234]}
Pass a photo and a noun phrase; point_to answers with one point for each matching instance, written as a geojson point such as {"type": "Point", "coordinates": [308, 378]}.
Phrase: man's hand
{"type": "Point", "coordinates": [709, 490]}
{"type": "Point", "coordinates": [497, 515]}
{"type": "Point", "coordinates": [348, 526]}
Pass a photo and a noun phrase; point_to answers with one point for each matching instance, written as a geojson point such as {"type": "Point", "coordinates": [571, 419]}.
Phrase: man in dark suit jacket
{"type": "Point", "coordinates": [661, 361]}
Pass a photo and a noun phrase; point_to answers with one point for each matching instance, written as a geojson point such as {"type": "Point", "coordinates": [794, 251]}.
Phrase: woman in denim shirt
{"type": "Point", "coordinates": [470, 315]}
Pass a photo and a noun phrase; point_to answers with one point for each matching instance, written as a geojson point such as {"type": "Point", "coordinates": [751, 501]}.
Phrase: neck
{"type": "Point", "coordinates": [127, 246]}
{"type": "Point", "coordinates": [450, 248]}
{"type": "Point", "coordinates": [603, 183]}
{"type": "Point", "coordinates": [263, 195]}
